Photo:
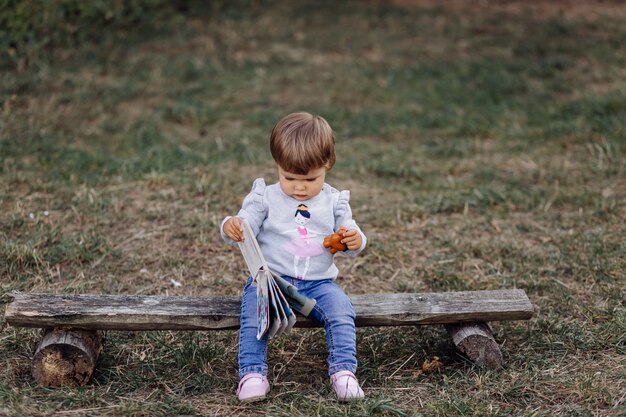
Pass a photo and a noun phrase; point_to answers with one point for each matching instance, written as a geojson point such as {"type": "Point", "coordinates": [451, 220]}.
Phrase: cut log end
{"type": "Point", "coordinates": [66, 357]}
{"type": "Point", "coordinates": [476, 341]}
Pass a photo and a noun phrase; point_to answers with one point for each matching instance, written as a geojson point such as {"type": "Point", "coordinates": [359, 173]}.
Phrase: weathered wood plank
{"type": "Point", "coordinates": [120, 312]}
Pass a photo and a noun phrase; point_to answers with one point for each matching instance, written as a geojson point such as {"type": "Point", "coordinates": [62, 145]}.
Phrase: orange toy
{"type": "Point", "coordinates": [333, 242]}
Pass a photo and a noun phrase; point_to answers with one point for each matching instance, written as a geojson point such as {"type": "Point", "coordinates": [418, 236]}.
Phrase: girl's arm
{"type": "Point", "coordinates": [343, 219]}
{"type": "Point", "coordinates": [254, 209]}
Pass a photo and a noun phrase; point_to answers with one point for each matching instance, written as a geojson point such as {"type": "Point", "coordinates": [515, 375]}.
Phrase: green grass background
{"type": "Point", "coordinates": [483, 143]}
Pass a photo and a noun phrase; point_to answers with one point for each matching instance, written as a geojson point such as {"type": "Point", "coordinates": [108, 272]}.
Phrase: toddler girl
{"type": "Point", "coordinates": [290, 219]}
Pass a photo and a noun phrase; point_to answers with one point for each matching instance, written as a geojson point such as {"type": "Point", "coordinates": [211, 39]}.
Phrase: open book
{"type": "Point", "coordinates": [276, 298]}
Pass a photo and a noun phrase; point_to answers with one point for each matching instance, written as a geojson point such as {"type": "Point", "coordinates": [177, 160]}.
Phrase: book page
{"type": "Point", "coordinates": [251, 251]}
{"type": "Point", "coordinates": [262, 303]}
{"type": "Point", "coordinates": [274, 315]}
{"type": "Point", "coordinates": [279, 321]}
{"type": "Point", "coordinates": [297, 301]}
{"type": "Point", "coordinates": [290, 316]}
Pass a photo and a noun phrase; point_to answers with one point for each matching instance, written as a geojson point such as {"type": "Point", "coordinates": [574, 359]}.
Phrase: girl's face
{"type": "Point", "coordinates": [302, 187]}
{"type": "Point", "coordinates": [301, 220]}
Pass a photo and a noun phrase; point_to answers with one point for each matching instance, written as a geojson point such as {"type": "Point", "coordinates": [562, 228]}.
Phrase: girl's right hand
{"type": "Point", "coordinates": [233, 229]}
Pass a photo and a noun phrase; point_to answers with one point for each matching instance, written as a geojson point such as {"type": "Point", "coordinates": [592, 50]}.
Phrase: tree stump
{"type": "Point", "coordinates": [476, 341]}
{"type": "Point", "coordinates": [66, 357]}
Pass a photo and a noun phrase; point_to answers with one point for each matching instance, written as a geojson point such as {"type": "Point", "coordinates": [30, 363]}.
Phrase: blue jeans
{"type": "Point", "coordinates": [333, 308]}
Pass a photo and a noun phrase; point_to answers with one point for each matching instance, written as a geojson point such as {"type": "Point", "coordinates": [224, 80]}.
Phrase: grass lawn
{"type": "Point", "coordinates": [483, 143]}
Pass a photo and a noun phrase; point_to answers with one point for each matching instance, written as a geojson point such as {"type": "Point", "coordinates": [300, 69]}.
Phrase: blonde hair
{"type": "Point", "coordinates": [301, 142]}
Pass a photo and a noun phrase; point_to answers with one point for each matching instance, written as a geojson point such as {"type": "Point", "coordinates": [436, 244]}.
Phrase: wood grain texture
{"type": "Point", "coordinates": [125, 312]}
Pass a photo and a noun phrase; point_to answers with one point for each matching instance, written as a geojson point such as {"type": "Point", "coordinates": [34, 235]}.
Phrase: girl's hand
{"type": "Point", "coordinates": [351, 238]}
{"type": "Point", "coordinates": [233, 229]}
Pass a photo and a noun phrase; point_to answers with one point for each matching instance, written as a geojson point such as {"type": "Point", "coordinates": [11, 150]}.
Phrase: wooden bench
{"type": "Point", "coordinates": [75, 324]}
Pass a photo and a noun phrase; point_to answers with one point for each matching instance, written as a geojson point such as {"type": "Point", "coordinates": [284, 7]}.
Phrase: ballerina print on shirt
{"type": "Point", "coordinates": [303, 246]}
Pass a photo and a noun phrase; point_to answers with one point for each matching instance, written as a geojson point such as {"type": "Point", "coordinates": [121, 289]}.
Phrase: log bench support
{"type": "Point", "coordinates": [476, 341]}
{"type": "Point", "coordinates": [75, 324]}
{"type": "Point", "coordinates": [66, 356]}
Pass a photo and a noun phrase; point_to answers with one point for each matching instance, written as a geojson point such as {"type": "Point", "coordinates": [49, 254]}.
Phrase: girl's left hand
{"type": "Point", "coordinates": [351, 238]}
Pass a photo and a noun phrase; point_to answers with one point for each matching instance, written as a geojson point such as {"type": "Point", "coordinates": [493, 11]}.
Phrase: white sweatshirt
{"type": "Point", "coordinates": [290, 232]}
